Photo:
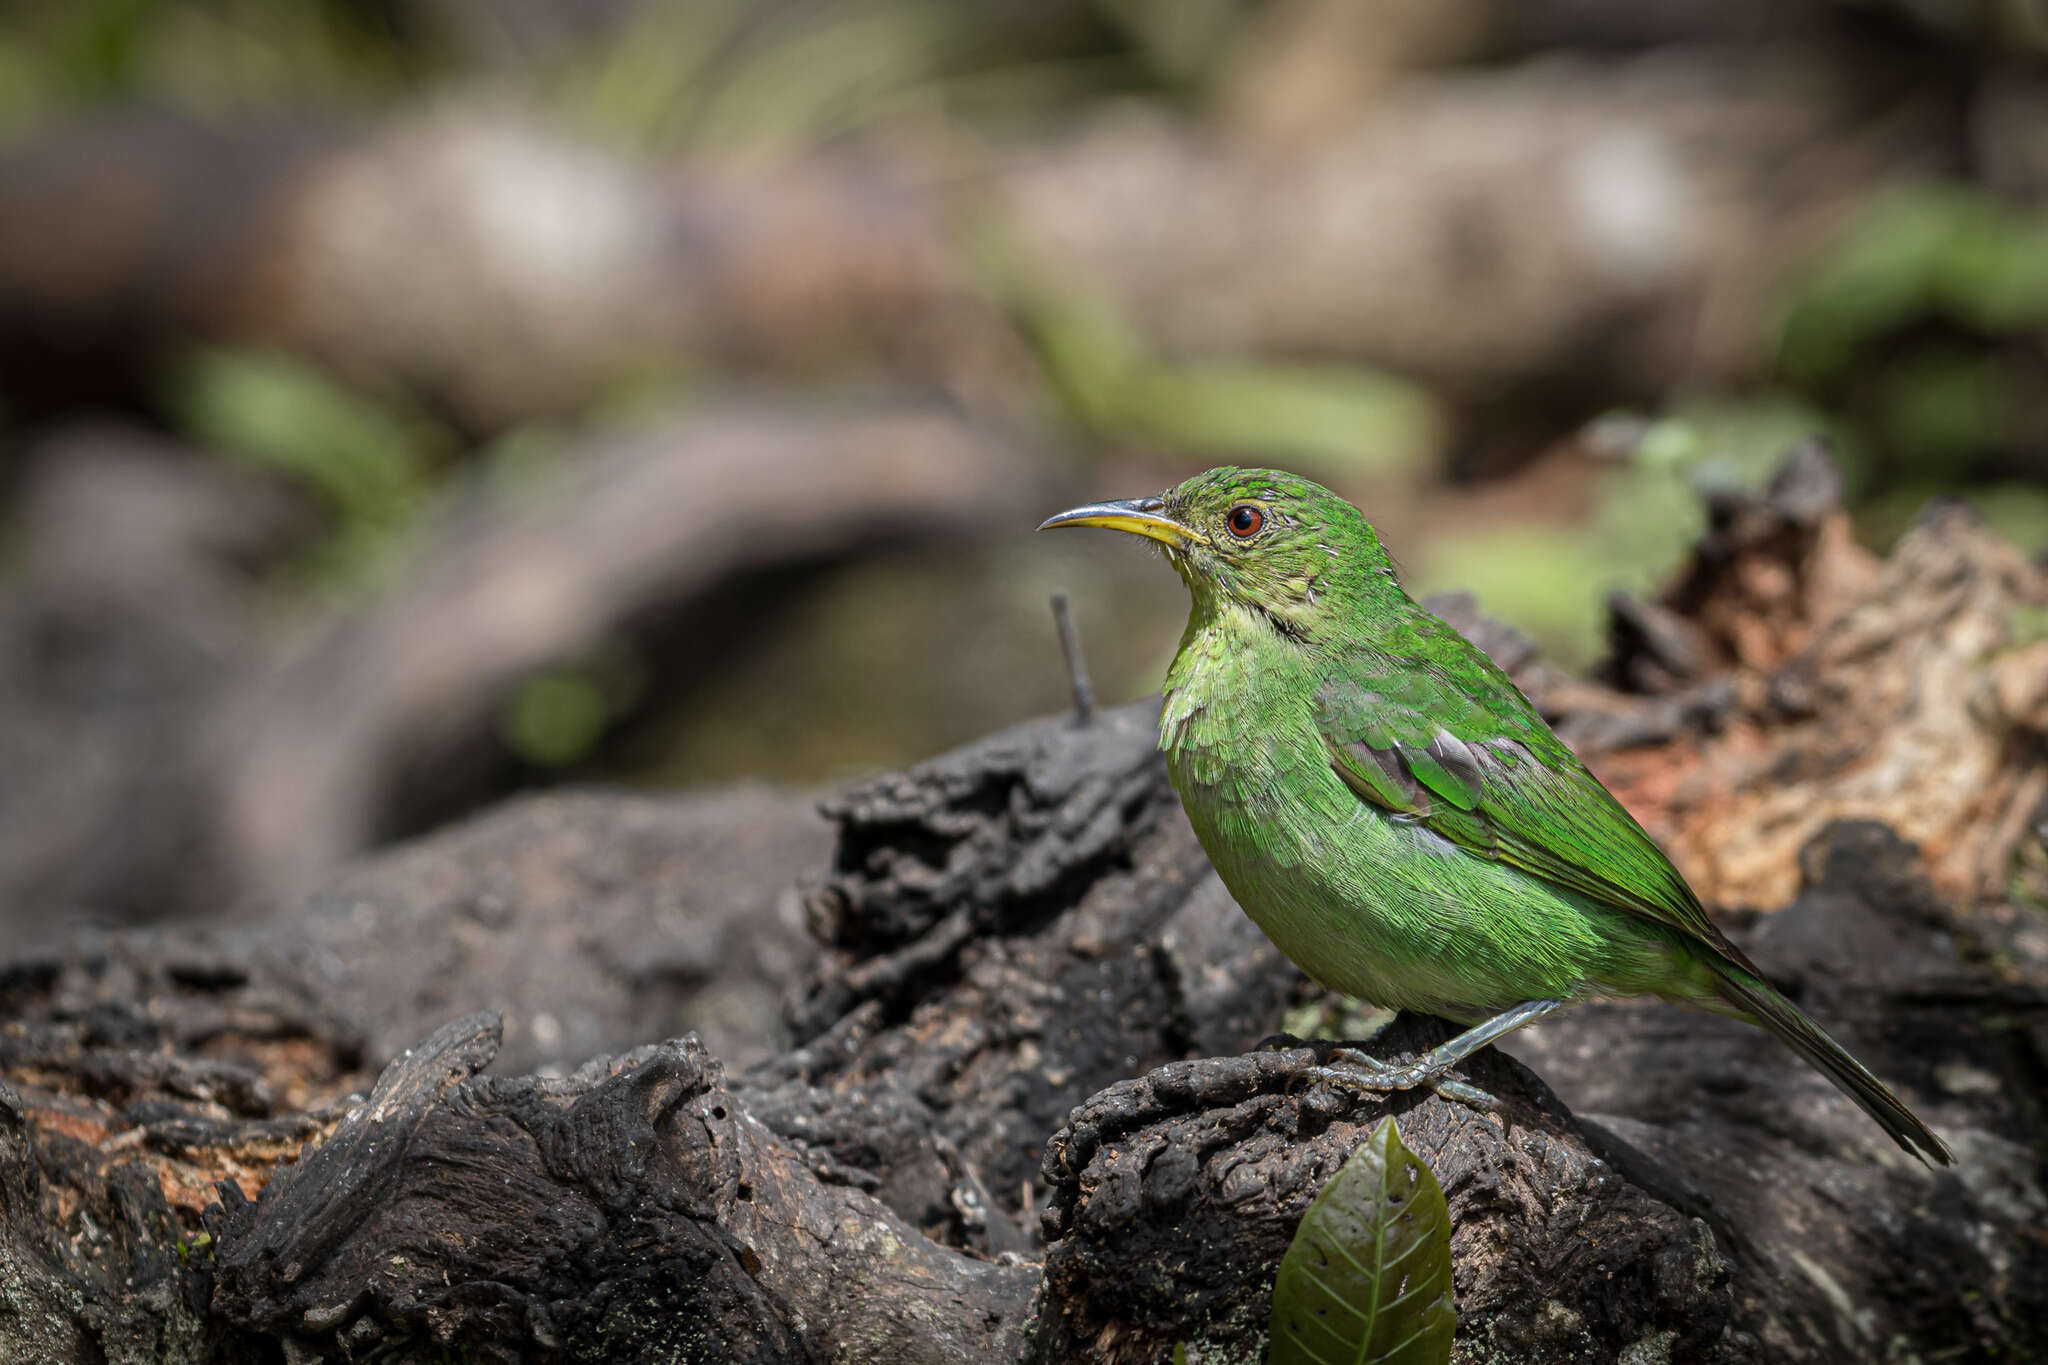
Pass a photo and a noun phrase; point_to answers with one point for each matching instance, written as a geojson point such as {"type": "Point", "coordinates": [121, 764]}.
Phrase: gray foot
{"type": "Point", "coordinates": [1360, 1071]}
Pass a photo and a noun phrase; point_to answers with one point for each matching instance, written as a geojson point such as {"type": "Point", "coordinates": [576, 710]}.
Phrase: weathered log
{"type": "Point", "coordinates": [1171, 1195]}
{"type": "Point", "coordinates": [1842, 1247]}
{"type": "Point", "coordinates": [1913, 691]}
{"type": "Point", "coordinates": [589, 922]}
{"type": "Point", "coordinates": [1081, 938]}
{"type": "Point", "coordinates": [1166, 1188]}
{"type": "Point", "coordinates": [634, 1211]}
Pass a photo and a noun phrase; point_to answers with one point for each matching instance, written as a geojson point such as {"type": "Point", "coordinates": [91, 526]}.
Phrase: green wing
{"type": "Point", "coordinates": [1451, 744]}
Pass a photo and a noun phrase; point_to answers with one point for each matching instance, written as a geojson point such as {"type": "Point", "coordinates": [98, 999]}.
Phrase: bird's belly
{"type": "Point", "coordinates": [1384, 909]}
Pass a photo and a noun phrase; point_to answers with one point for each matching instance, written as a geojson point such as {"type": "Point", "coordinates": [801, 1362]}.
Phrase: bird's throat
{"type": "Point", "coordinates": [1233, 669]}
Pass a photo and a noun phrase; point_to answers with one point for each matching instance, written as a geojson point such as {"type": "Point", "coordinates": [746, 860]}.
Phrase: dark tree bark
{"type": "Point", "coordinates": [1019, 1113]}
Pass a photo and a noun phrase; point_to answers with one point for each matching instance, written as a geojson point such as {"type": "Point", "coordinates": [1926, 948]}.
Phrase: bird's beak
{"type": "Point", "coordinates": [1140, 516]}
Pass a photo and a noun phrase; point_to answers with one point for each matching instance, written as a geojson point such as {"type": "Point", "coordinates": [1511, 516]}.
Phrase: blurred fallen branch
{"type": "Point", "coordinates": [285, 761]}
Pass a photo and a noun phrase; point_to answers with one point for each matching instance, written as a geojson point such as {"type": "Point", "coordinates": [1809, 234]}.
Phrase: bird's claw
{"type": "Point", "coordinates": [1359, 1071]}
{"type": "Point", "coordinates": [1366, 1062]}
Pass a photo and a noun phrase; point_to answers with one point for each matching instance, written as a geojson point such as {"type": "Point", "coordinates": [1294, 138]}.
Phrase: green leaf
{"type": "Point", "coordinates": [368, 463]}
{"type": "Point", "coordinates": [1367, 1280]}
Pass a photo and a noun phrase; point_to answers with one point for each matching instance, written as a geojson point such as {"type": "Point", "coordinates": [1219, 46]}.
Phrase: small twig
{"type": "Point", "coordinates": [1077, 667]}
{"type": "Point", "coordinates": [2010, 832]}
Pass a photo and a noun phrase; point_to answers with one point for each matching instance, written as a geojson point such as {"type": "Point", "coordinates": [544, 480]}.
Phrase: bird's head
{"type": "Point", "coordinates": [1261, 539]}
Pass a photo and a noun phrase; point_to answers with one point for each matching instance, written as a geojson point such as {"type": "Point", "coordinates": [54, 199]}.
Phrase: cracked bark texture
{"type": "Point", "coordinates": [1013, 1110]}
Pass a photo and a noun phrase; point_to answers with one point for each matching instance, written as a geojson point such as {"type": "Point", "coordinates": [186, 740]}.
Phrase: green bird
{"type": "Point", "coordinates": [1395, 814]}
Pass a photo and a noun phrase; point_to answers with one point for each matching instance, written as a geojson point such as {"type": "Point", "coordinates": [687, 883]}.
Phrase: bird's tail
{"type": "Point", "coordinates": [1757, 1002]}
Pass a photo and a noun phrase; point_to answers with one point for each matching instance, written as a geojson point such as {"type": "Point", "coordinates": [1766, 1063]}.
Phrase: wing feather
{"type": "Point", "coordinates": [1469, 758]}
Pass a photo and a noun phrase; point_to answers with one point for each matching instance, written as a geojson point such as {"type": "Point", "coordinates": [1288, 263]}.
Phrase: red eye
{"type": "Point", "coordinates": [1245, 520]}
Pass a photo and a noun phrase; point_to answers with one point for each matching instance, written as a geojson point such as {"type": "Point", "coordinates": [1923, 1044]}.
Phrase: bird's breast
{"type": "Point", "coordinates": [1358, 900]}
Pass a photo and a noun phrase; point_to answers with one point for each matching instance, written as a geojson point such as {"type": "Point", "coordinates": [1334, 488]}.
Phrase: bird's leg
{"type": "Point", "coordinates": [1432, 1068]}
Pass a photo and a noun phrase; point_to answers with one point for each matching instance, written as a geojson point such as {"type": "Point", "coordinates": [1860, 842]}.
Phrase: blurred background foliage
{"type": "Point", "coordinates": [376, 282]}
